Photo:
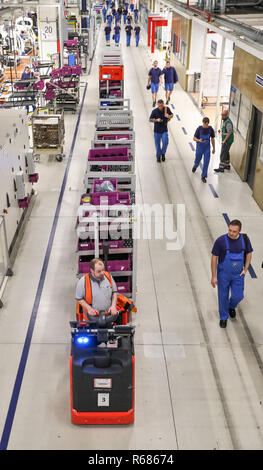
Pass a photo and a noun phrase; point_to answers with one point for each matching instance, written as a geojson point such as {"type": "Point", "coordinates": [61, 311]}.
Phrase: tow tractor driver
{"type": "Point", "coordinates": [97, 290]}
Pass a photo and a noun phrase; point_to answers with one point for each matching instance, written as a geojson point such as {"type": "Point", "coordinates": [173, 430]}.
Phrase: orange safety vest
{"type": "Point", "coordinates": [88, 296]}
{"type": "Point", "coordinates": [123, 304]}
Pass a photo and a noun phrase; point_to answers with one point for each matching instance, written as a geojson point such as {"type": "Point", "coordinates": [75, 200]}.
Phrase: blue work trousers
{"type": "Point", "coordinates": [161, 138]}
{"type": "Point", "coordinates": [228, 278]}
{"type": "Point", "coordinates": [137, 39]}
{"type": "Point", "coordinates": [128, 39]}
{"type": "Point", "coordinates": [202, 149]}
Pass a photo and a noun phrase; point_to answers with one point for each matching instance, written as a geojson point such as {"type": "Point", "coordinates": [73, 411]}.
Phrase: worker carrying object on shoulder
{"type": "Point", "coordinates": [161, 116]}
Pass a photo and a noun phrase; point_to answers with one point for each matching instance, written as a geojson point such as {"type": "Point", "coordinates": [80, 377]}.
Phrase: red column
{"type": "Point", "coordinates": [149, 30]}
{"type": "Point", "coordinates": [153, 35]}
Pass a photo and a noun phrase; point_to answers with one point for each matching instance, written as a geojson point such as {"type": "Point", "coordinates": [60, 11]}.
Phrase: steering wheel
{"type": "Point", "coordinates": [102, 320]}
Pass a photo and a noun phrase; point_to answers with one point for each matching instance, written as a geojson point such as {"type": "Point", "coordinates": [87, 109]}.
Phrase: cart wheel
{"type": "Point", "coordinates": [59, 158]}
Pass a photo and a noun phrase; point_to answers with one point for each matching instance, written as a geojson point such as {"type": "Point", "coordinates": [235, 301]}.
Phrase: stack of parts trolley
{"type": "Point", "coordinates": [110, 164]}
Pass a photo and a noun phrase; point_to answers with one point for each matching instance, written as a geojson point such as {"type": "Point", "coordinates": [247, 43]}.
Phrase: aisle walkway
{"type": "Point", "coordinates": [197, 386]}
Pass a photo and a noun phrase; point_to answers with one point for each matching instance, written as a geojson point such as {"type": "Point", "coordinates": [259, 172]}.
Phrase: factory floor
{"type": "Point", "coordinates": [197, 386]}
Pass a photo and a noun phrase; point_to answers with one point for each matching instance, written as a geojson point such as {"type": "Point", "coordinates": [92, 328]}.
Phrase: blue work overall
{"type": "Point", "coordinates": [228, 277]}
{"type": "Point", "coordinates": [203, 148]}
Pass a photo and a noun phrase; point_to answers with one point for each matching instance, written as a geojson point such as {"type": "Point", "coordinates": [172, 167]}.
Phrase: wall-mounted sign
{"type": "Point", "coordinates": [213, 48]}
{"type": "Point", "coordinates": [259, 80]}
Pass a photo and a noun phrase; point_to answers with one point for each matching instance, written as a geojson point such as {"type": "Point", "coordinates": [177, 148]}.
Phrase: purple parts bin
{"type": "Point", "coordinates": [66, 71]}
{"type": "Point", "coordinates": [113, 136]}
{"type": "Point", "coordinates": [71, 43]}
{"type": "Point", "coordinates": [23, 203]}
{"type": "Point", "coordinates": [49, 95]}
{"type": "Point", "coordinates": [84, 245]}
{"type": "Point", "coordinates": [40, 85]}
{"type": "Point", "coordinates": [123, 284]}
{"type": "Point", "coordinates": [56, 73]}
{"type": "Point", "coordinates": [76, 70]}
{"type": "Point", "coordinates": [111, 154]}
{"type": "Point", "coordinates": [116, 262]}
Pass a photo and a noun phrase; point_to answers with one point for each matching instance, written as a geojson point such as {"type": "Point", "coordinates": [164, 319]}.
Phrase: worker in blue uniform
{"type": "Point", "coordinates": [128, 30]}
{"type": "Point", "coordinates": [107, 30]}
{"type": "Point", "coordinates": [109, 19]}
{"type": "Point", "coordinates": [231, 257]}
{"type": "Point", "coordinates": [125, 13]}
{"type": "Point", "coordinates": [202, 137]}
{"type": "Point", "coordinates": [136, 12]}
{"type": "Point", "coordinates": [155, 79]}
{"type": "Point", "coordinates": [117, 29]}
{"type": "Point", "coordinates": [104, 12]}
{"type": "Point", "coordinates": [137, 31]}
{"type": "Point", "coordinates": [160, 117]}
{"type": "Point", "coordinates": [170, 78]}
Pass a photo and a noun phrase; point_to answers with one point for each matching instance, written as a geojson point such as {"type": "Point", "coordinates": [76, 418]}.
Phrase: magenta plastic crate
{"type": "Point", "coordinates": [33, 178]}
{"type": "Point", "coordinates": [76, 70]}
{"type": "Point", "coordinates": [116, 93]}
{"type": "Point", "coordinates": [123, 284]}
{"type": "Point", "coordinates": [23, 203]}
{"type": "Point", "coordinates": [111, 154]}
{"type": "Point", "coordinates": [90, 245]}
{"type": "Point", "coordinates": [40, 85]}
{"type": "Point", "coordinates": [71, 42]}
{"type": "Point", "coordinates": [118, 262]}
{"type": "Point", "coordinates": [113, 136]}
{"type": "Point", "coordinates": [50, 95]}
{"type": "Point", "coordinates": [66, 71]}
{"type": "Point", "coordinates": [20, 86]}
{"type": "Point", "coordinates": [56, 73]}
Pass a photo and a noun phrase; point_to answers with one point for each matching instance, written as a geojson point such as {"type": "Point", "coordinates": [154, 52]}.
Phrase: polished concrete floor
{"type": "Point", "coordinates": [197, 386]}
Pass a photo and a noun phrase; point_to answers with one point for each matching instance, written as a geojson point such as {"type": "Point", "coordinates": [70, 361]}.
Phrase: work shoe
{"type": "Point", "coordinates": [203, 178]}
{"type": "Point", "coordinates": [154, 103]}
{"type": "Point", "coordinates": [223, 323]}
{"type": "Point", "coordinates": [232, 313]}
{"type": "Point", "coordinates": [219, 170]}
{"type": "Point", "coordinates": [167, 101]}
{"type": "Point", "coordinates": [163, 158]}
{"type": "Point", "coordinates": [193, 169]}
{"type": "Point", "coordinates": [228, 167]}
{"type": "Point", "coordinates": [158, 160]}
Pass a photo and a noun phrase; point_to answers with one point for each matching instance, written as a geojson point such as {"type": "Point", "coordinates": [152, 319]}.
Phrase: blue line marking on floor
{"type": "Point", "coordinates": [250, 269]}
{"type": "Point", "coordinates": [184, 131]}
{"type": "Point", "coordinates": [192, 147]}
{"type": "Point", "coordinates": [213, 190]}
{"type": "Point", "coordinates": [30, 330]}
{"type": "Point", "coordinates": [173, 107]}
{"type": "Point", "coordinates": [178, 117]}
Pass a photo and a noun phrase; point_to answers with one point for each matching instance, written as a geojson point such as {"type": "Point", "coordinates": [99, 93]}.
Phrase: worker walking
{"type": "Point", "coordinates": [202, 137]}
{"type": "Point", "coordinates": [231, 257]}
{"type": "Point", "coordinates": [128, 30]}
{"type": "Point", "coordinates": [109, 19]}
{"type": "Point", "coordinates": [170, 78]}
{"type": "Point", "coordinates": [154, 78]}
{"type": "Point", "coordinates": [136, 13]}
{"type": "Point", "coordinates": [227, 133]}
{"type": "Point", "coordinates": [129, 18]}
{"type": "Point", "coordinates": [117, 29]}
{"type": "Point", "coordinates": [137, 31]}
{"type": "Point", "coordinates": [107, 30]}
{"type": "Point", "coordinates": [160, 117]}
{"type": "Point", "coordinates": [104, 12]}
{"type": "Point", "coordinates": [125, 13]}
{"type": "Point", "coordinates": [102, 287]}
